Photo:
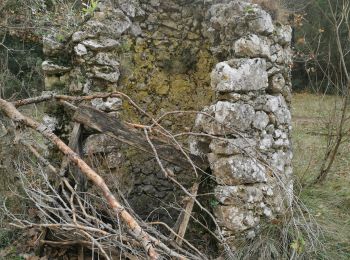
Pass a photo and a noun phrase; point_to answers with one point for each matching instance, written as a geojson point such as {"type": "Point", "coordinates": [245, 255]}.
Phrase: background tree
{"type": "Point", "coordinates": [322, 47]}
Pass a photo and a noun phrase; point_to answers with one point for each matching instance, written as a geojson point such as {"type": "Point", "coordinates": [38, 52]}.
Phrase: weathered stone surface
{"type": "Point", "coordinates": [99, 144]}
{"type": "Point", "coordinates": [269, 103]}
{"type": "Point", "coordinates": [80, 50]}
{"type": "Point", "coordinates": [3, 130]}
{"type": "Point", "coordinates": [235, 195]}
{"type": "Point", "coordinates": [237, 170]}
{"type": "Point", "coordinates": [103, 58]}
{"type": "Point", "coordinates": [260, 21]}
{"type": "Point", "coordinates": [284, 34]}
{"type": "Point", "coordinates": [226, 118]}
{"type": "Point", "coordinates": [110, 104]}
{"type": "Point", "coordinates": [101, 44]}
{"type": "Point", "coordinates": [240, 75]}
{"type": "Point", "coordinates": [233, 146]}
{"type": "Point", "coordinates": [281, 55]}
{"type": "Point", "coordinates": [199, 145]}
{"type": "Point", "coordinates": [277, 83]}
{"type": "Point", "coordinates": [266, 142]}
{"type": "Point", "coordinates": [252, 46]}
{"type": "Point", "coordinates": [260, 120]}
{"type": "Point", "coordinates": [275, 104]}
{"type": "Point", "coordinates": [99, 72]}
{"type": "Point", "coordinates": [79, 36]}
{"type": "Point", "coordinates": [50, 122]}
{"type": "Point", "coordinates": [51, 46]}
{"type": "Point", "coordinates": [236, 219]}
{"type": "Point", "coordinates": [120, 23]}
{"type": "Point", "coordinates": [50, 68]}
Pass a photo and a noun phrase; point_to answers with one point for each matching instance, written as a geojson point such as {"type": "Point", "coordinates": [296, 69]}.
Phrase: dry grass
{"type": "Point", "coordinates": [330, 202]}
{"type": "Point", "coordinates": [275, 8]}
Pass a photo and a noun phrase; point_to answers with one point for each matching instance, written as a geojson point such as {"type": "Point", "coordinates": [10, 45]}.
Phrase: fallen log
{"type": "Point", "coordinates": [104, 123]}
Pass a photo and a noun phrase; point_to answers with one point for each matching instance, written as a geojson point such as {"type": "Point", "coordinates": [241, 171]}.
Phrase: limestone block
{"type": "Point", "coordinates": [240, 75]}
{"type": "Point", "coordinates": [50, 68]}
{"type": "Point", "coordinates": [79, 36]}
{"type": "Point", "coordinates": [260, 21]}
{"type": "Point", "coordinates": [278, 160]}
{"type": "Point", "coordinates": [233, 146]}
{"type": "Point", "coordinates": [235, 219]}
{"type": "Point", "coordinates": [111, 104]}
{"type": "Point", "coordinates": [101, 44]}
{"type": "Point", "coordinates": [51, 46]}
{"type": "Point", "coordinates": [283, 116]}
{"type": "Point", "coordinates": [269, 103]}
{"type": "Point", "coordinates": [119, 22]}
{"type": "Point", "coordinates": [101, 72]}
{"type": "Point", "coordinates": [226, 118]}
{"type": "Point", "coordinates": [281, 55]}
{"type": "Point", "coordinates": [237, 169]}
{"type": "Point", "coordinates": [234, 195]}
{"type": "Point", "coordinates": [283, 34]}
{"type": "Point", "coordinates": [252, 46]}
{"type": "Point", "coordinates": [105, 59]}
{"type": "Point", "coordinates": [114, 159]}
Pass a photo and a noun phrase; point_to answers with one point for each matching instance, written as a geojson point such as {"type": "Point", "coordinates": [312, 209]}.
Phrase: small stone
{"type": "Point", "coordinates": [235, 219]}
{"type": "Point", "coordinates": [111, 104]}
{"type": "Point", "coordinates": [284, 34]}
{"type": "Point", "coordinates": [260, 22]}
{"type": "Point", "coordinates": [261, 120]}
{"type": "Point", "coordinates": [51, 46]}
{"type": "Point", "coordinates": [113, 76]}
{"type": "Point", "coordinates": [50, 122]}
{"type": "Point", "coordinates": [105, 59]}
{"type": "Point", "coordinates": [80, 50]}
{"type": "Point", "coordinates": [277, 83]}
{"type": "Point", "coordinates": [50, 68]}
{"type": "Point", "coordinates": [101, 44]}
{"type": "Point", "coordinates": [252, 46]}
{"type": "Point", "coordinates": [3, 130]}
{"type": "Point", "coordinates": [135, 30]}
{"type": "Point", "coordinates": [266, 142]}
{"type": "Point", "coordinates": [251, 234]}
{"type": "Point", "coordinates": [79, 36]}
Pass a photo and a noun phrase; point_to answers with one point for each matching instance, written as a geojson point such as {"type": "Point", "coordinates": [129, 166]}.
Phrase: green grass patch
{"type": "Point", "coordinates": [330, 202]}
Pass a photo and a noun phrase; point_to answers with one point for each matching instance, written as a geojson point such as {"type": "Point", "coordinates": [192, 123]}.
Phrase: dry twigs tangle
{"type": "Point", "coordinates": [133, 226]}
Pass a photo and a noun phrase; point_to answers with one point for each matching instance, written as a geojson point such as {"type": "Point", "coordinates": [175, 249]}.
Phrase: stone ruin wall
{"type": "Point", "coordinates": [227, 57]}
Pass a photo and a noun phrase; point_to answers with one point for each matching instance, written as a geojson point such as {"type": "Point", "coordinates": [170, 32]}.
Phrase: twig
{"type": "Point", "coordinates": [134, 228]}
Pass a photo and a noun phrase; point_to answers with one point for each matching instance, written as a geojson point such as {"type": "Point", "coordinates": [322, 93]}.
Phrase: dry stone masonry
{"type": "Point", "coordinates": [185, 55]}
{"type": "Point", "coordinates": [249, 148]}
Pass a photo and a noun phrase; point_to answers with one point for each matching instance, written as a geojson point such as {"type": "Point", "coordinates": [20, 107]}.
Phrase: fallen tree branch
{"type": "Point", "coordinates": [133, 226]}
{"type": "Point", "coordinates": [104, 123]}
